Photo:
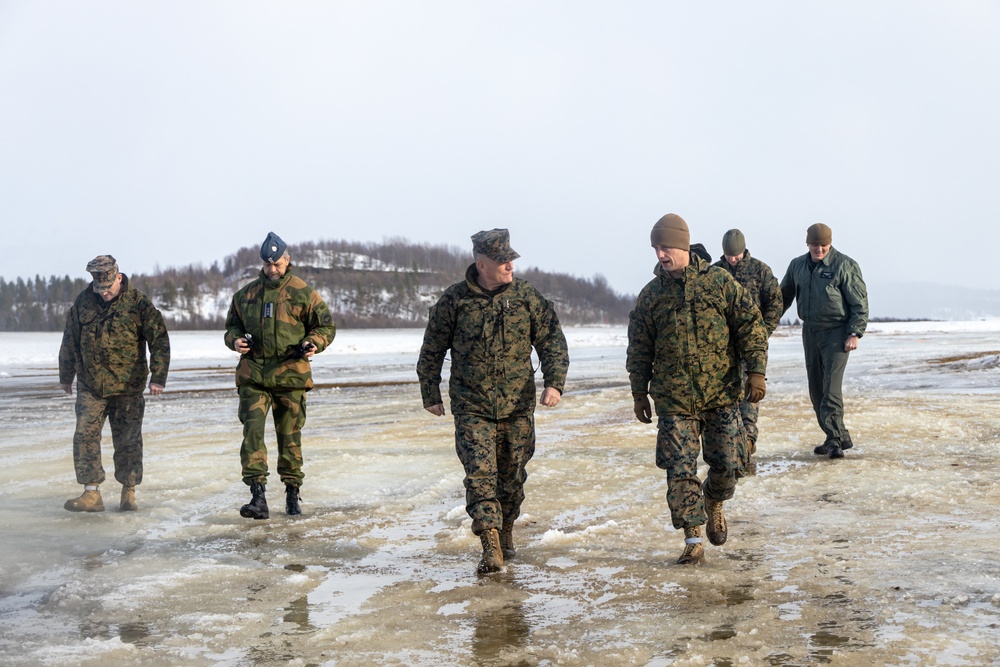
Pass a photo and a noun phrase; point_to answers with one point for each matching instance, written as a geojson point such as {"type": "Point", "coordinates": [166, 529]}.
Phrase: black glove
{"type": "Point", "coordinates": [640, 405]}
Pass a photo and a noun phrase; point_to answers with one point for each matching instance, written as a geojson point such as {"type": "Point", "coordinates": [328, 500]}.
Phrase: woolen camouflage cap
{"type": "Point", "coordinates": [104, 270]}
{"type": "Point", "coordinates": [273, 248]}
{"type": "Point", "coordinates": [495, 244]}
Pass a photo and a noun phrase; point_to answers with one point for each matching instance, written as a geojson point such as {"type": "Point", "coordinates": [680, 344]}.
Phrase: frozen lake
{"type": "Point", "coordinates": [887, 557]}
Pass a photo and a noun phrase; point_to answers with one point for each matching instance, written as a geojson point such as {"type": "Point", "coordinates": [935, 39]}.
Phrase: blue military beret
{"type": "Point", "coordinates": [273, 248]}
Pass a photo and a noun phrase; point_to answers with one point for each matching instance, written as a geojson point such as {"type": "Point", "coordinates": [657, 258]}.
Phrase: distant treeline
{"type": "Point", "coordinates": [388, 284]}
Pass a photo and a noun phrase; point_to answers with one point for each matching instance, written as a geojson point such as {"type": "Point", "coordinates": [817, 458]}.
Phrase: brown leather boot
{"type": "Point", "coordinates": [492, 559]}
{"type": "Point", "coordinates": [128, 499]}
{"type": "Point", "coordinates": [716, 526]}
{"type": "Point", "coordinates": [89, 501]}
{"type": "Point", "coordinates": [507, 540]}
{"type": "Point", "coordinates": [694, 552]}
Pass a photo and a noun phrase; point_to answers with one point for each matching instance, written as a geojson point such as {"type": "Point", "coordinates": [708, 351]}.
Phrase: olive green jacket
{"type": "Point", "coordinates": [104, 343]}
{"type": "Point", "coordinates": [688, 336]}
{"type": "Point", "coordinates": [758, 280]}
{"type": "Point", "coordinates": [829, 294]}
{"type": "Point", "coordinates": [490, 338]}
{"type": "Point", "coordinates": [279, 315]}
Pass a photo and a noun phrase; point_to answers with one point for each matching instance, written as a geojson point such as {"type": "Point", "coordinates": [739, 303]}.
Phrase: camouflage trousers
{"type": "Point", "coordinates": [494, 454]}
{"type": "Point", "coordinates": [125, 413]}
{"type": "Point", "coordinates": [746, 445]}
{"type": "Point", "coordinates": [716, 434]}
{"type": "Point", "coordinates": [288, 408]}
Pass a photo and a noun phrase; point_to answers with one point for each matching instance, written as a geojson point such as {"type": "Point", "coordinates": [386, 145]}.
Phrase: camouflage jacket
{"type": "Point", "coordinates": [829, 294]}
{"type": "Point", "coordinates": [759, 282]}
{"type": "Point", "coordinates": [687, 338]}
{"type": "Point", "coordinates": [279, 315]}
{"type": "Point", "coordinates": [490, 338]}
{"type": "Point", "coordinates": [104, 343]}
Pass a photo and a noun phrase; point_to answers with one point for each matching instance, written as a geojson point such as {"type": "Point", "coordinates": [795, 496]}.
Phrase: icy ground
{"type": "Point", "coordinates": [887, 557]}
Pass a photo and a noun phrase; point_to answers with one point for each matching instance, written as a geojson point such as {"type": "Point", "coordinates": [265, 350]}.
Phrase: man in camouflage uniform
{"type": "Point", "coordinates": [490, 322]}
{"type": "Point", "coordinates": [691, 329]}
{"type": "Point", "coordinates": [832, 302]}
{"type": "Point", "coordinates": [757, 279]}
{"type": "Point", "coordinates": [108, 329]}
{"type": "Point", "coordinates": [277, 323]}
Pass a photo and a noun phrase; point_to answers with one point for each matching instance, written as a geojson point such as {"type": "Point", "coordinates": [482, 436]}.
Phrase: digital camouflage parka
{"type": "Point", "coordinates": [490, 338]}
{"type": "Point", "coordinates": [687, 338]}
{"type": "Point", "coordinates": [279, 315]}
{"type": "Point", "coordinates": [104, 343]}
{"type": "Point", "coordinates": [828, 294]}
{"type": "Point", "coordinates": [758, 280]}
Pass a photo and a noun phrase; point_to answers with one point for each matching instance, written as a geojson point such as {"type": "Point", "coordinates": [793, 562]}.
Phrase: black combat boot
{"type": "Point", "coordinates": [292, 507]}
{"type": "Point", "coordinates": [257, 507]}
{"type": "Point", "coordinates": [826, 448]}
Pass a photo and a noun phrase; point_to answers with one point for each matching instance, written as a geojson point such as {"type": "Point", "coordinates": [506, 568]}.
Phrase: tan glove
{"type": "Point", "coordinates": [756, 387]}
{"type": "Point", "coordinates": [643, 412]}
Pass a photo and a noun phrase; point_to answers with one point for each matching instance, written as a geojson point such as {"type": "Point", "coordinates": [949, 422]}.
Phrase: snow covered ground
{"type": "Point", "coordinates": [887, 557]}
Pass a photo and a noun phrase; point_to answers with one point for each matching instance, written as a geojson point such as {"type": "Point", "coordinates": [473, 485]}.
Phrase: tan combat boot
{"type": "Point", "coordinates": [507, 541]}
{"type": "Point", "coordinates": [492, 559]}
{"type": "Point", "coordinates": [694, 553]}
{"type": "Point", "coordinates": [128, 499]}
{"type": "Point", "coordinates": [716, 527]}
{"type": "Point", "coordinates": [89, 501]}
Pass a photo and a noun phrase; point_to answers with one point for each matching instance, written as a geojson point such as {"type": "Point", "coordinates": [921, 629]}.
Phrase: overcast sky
{"type": "Point", "coordinates": [171, 133]}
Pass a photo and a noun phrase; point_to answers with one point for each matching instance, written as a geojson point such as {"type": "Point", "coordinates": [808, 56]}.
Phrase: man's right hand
{"type": "Point", "coordinates": [437, 410]}
{"type": "Point", "coordinates": [643, 412]}
{"type": "Point", "coordinates": [68, 388]}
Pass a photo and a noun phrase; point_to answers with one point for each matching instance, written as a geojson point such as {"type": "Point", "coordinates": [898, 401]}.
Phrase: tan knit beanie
{"type": "Point", "coordinates": [819, 233]}
{"type": "Point", "coordinates": [671, 231]}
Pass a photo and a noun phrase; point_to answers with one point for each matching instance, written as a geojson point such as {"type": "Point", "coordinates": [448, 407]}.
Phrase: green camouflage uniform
{"type": "Point", "coordinates": [758, 280]}
{"type": "Point", "coordinates": [279, 315]}
{"type": "Point", "coordinates": [687, 339]}
{"type": "Point", "coordinates": [492, 385]}
{"type": "Point", "coordinates": [832, 302]}
{"type": "Point", "coordinates": [104, 347]}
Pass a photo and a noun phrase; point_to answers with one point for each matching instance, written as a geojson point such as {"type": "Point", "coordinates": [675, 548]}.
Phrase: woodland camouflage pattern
{"type": "Point", "coordinates": [492, 385]}
{"type": "Point", "coordinates": [687, 339]}
{"type": "Point", "coordinates": [125, 412]}
{"type": "Point", "coordinates": [104, 346]}
{"type": "Point", "coordinates": [299, 314]}
{"type": "Point", "coordinates": [758, 280]}
{"type": "Point", "coordinates": [678, 442]}
{"type": "Point", "coordinates": [490, 338]}
{"type": "Point", "coordinates": [104, 343]}
{"type": "Point", "coordinates": [279, 315]}
{"type": "Point", "coordinates": [495, 456]}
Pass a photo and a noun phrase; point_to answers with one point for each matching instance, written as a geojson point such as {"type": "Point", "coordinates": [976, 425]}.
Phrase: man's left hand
{"type": "Point", "coordinates": [308, 349]}
{"type": "Point", "coordinates": [155, 389]}
{"type": "Point", "coordinates": [756, 387]}
{"type": "Point", "coordinates": [851, 344]}
{"type": "Point", "coordinates": [550, 397]}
